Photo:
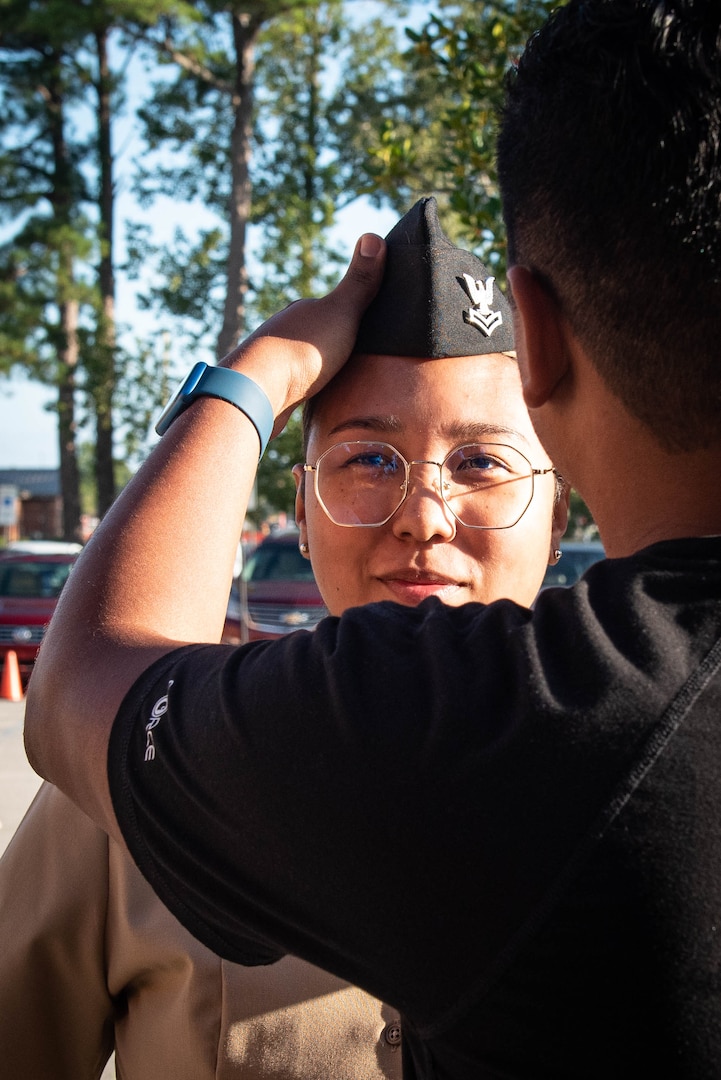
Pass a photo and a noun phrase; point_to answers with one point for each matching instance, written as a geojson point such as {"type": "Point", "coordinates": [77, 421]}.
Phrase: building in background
{"type": "Point", "coordinates": [31, 504]}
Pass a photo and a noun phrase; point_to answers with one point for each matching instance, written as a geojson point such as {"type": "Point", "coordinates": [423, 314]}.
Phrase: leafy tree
{"type": "Point", "coordinates": [206, 112]}
{"type": "Point", "coordinates": [305, 162]}
{"type": "Point", "coordinates": [57, 272]}
{"type": "Point", "coordinates": [43, 190]}
{"type": "Point", "coordinates": [462, 52]}
{"type": "Point", "coordinates": [321, 84]}
{"type": "Point", "coordinates": [325, 83]}
{"type": "Point", "coordinates": [295, 102]}
{"type": "Point", "coordinates": [465, 48]}
{"type": "Point", "coordinates": [88, 487]}
{"type": "Point", "coordinates": [103, 359]}
{"type": "Point", "coordinates": [275, 486]}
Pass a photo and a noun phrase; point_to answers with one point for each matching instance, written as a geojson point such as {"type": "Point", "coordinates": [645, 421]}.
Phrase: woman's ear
{"type": "Point", "coordinates": [299, 477]}
{"type": "Point", "coordinates": [540, 336]}
{"type": "Point", "coordinates": [560, 520]}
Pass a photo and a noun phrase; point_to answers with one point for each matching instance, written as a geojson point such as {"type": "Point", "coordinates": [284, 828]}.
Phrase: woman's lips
{"type": "Point", "coordinates": [411, 587]}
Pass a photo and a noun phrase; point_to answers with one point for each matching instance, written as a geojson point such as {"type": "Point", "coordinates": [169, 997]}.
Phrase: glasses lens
{"type": "Point", "coordinates": [487, 485]}
{"type": "Point", "coordinates": [360, 483]}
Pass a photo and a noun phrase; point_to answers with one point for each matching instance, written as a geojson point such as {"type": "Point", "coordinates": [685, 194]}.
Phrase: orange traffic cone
{"type": "Point", "coordinates": [11, 687]}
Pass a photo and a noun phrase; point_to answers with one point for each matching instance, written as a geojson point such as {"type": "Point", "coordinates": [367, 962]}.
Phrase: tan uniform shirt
{"type": "Point", "coordinates": [91, 960]}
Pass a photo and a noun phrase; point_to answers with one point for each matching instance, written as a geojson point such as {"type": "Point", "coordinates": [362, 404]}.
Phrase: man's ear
{"type": "Point", "coordinates": [299, 477]}
{"type": "Point", "coordinates": [540, 336]}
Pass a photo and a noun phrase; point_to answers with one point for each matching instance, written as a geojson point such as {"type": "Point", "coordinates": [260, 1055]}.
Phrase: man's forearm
{"type": "Point", "coordinates": [157, 572]}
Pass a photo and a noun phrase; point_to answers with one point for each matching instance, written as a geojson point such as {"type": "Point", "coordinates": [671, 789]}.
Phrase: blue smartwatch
{"type": "Point", "coordinates": [228, 385]}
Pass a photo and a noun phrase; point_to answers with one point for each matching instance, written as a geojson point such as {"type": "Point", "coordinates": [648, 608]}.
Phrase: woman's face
{"type": "Point", "coordinates": [426, 409]}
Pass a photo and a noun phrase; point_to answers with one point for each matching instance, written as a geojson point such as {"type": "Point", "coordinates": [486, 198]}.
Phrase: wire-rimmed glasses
{"type": "Point", "coordinates": [361, 484]}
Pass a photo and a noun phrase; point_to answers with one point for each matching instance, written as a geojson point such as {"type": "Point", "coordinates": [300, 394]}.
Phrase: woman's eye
{"type": "Point", "coordinates": [478, 463]}
{"type": "Point", "coordinates": [481, 462]}
{"type": "Point", "coordinates": [373, 461]}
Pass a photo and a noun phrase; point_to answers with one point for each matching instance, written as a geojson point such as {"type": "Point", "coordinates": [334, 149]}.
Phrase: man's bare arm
{"type": "Point", "coordinates": [157, 572]}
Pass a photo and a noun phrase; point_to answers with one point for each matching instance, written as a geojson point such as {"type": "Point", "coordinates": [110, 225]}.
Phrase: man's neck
{"type": "Point", "coordinates": [656, 496]}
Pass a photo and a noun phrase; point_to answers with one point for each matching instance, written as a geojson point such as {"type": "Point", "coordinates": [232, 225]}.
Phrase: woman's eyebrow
{"type": "Point", "coordinates": [483, 431]}
{"type": "Point", "coordinates": [385, 424]}
{"type": "Point", "coordinates": [464, 431]}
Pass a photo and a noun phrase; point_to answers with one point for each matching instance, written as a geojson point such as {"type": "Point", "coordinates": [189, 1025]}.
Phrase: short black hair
{"type": "Point", "coordinates": [609, 160]}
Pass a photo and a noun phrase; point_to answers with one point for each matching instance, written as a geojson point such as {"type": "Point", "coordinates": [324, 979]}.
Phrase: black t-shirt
{"type": "Point", "coordinates": [505, 823]}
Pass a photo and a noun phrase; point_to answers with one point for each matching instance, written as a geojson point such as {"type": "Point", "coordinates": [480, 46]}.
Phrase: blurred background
{"type": "Point", "coordinates": [172, 173]}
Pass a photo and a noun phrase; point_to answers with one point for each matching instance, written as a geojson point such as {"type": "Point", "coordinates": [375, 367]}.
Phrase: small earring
{"type": "Point", "coordinates": [557, 554]}
{"type": "Point", "coordinates": [304, 549]}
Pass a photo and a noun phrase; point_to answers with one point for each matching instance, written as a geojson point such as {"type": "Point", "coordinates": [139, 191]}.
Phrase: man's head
{"type": "Point", "coordinates": [609, 160]}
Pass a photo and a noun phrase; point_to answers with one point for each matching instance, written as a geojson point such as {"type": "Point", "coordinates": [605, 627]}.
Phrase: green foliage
{"type": "Point", "coordinates": [446, 136]}
{"type": "Point", "coordinates": [275, 485]}
{"type": "Point", "coordinates": [188, 118]}
{"type": "Point", "coordinates": [325, 82]}
{"type": "Point", "coordinates": [54, 322]}
{"type": "Point", "coordinates": [322, 84]}
{"type": "Point", "coordinates": [188, 279]}
{"type": "Point", "coordinates": [86, 464]}
{"type": "Point", "coordinates": [580, 523]}
{"type": "Point", "coordinates": [43, 195]}
{"type": "Point", "coordinates": [346, 105]}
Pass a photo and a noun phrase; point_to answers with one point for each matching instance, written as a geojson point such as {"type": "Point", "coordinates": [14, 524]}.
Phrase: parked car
{"type": "Point", "coordinates": [30, 585]}
{"type": "Point", "coordinates": [42, 547]}
{"type": "Point", "coordinates": [275, 593]}
{"type": "Point", "coordinates": [577, 556]}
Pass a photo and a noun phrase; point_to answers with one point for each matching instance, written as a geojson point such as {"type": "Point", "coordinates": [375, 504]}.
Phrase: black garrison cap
{"type": "Point", "coordinates": [435, 299]}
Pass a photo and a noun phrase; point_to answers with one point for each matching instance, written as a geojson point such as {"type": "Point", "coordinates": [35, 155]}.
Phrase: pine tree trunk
{"type": "Point", "coordinates": [69, 475]}
{"type": "Point", "coordinates": [104, 379]}
{"type": "Point", "coordinates": [245, 32]}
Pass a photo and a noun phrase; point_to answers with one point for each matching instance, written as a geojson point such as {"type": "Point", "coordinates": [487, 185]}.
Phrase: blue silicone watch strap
{"type": "Point", "coordinates": [228, 385]}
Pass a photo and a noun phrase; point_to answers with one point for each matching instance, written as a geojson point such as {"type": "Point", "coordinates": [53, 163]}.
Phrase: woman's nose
{"type": "Point", "coordinates": [423, 515]}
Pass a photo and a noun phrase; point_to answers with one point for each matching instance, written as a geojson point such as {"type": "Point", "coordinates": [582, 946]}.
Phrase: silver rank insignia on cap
{"type": "Point", "coordinates": [480, 314]}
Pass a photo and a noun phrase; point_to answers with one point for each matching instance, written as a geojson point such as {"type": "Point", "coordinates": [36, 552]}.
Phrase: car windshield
{"type": "Point", "coordinates": [277, 562]}
{"type": "Point", "coordinates": [33, 580]}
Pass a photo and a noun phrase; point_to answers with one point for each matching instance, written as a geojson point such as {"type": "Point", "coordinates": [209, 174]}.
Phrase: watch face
{"type": "Point", "coordinates": [182, 397]}
{"type": "Point", "coordinates": [227, 385]}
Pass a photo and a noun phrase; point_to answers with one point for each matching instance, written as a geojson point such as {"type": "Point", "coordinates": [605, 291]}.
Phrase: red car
{"type": "Point", "coordinates": [29, 588]}
{"type": "Point", "coordinates": [275, 593]}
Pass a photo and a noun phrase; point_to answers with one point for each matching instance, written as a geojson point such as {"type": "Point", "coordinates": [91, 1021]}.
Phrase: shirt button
{"type": "Point", "coordinates": [392, 1033]}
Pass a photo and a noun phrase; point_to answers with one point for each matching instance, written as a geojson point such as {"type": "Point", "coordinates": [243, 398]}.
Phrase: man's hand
{"type": "Point", "coordinates": [297, 351]}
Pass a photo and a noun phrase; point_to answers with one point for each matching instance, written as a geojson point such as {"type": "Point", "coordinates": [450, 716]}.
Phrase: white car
{"type": "Point", "coordinates": [42, 547]}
